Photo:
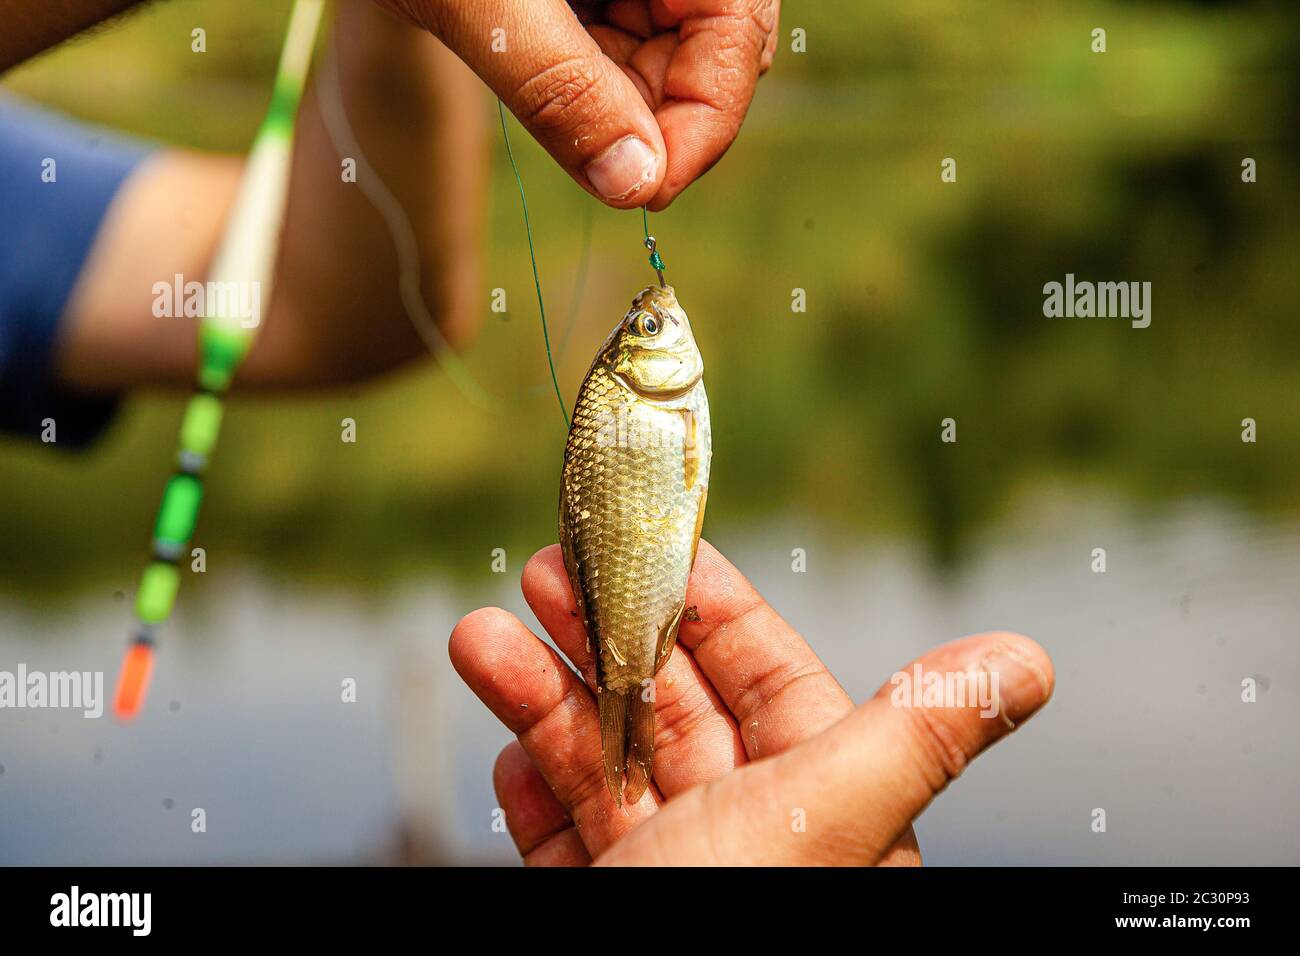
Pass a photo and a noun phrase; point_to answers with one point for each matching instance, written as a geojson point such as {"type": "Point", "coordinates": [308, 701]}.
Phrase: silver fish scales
{"type": "Point", "coordinates": [632, 497]}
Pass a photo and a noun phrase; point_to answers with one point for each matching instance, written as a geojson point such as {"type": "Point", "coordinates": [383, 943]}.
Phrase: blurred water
{"type": "Point", "coordinates": [246, 721]}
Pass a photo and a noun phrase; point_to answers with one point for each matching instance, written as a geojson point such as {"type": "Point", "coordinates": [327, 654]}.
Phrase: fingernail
{"type": "Point", "coordinates": [623, 168]}
{"type": "Point", "coordinates": [1022, 685]}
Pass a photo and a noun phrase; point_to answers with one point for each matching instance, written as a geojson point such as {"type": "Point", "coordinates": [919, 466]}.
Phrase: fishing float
{"type": "Point", "coordinates": [245, 259]}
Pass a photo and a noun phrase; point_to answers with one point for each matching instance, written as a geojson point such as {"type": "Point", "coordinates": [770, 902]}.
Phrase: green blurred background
{"type": "Point", "coordinates": [924, 301]}
{"type": "Point", "coordinates": [924, 298]}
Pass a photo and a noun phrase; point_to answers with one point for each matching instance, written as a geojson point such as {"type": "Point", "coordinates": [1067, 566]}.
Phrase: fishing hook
{"type": "Point", "coordinates": [656, 260]}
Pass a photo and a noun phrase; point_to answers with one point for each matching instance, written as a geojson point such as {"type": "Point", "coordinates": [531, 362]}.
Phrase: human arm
{"type": "Point", "coordinates": [30, 28]}
{"type": "Point", "coordinates": [337, 313]}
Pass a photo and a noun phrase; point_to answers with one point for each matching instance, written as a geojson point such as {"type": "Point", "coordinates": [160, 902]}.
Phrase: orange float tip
{"type": "Point", "coordinates": [133, 683]}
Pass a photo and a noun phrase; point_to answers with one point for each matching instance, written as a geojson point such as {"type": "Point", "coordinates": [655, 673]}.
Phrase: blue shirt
{"type": "Point", "coordinates": [47, 229]}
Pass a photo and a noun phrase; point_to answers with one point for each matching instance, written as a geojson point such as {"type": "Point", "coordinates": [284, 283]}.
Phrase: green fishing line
{"type": "Point", "coordinates": [532, 254]}
{"type": "Point", "coordinates": [579, 283]}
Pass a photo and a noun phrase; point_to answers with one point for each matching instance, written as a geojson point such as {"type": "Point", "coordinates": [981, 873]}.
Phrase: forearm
{"type": "Point", "coordinates": [31, 26]}
{"type": "Point", "coordinates": [336, 313]}
{"type": "Point", "coordinates": [413, 116]}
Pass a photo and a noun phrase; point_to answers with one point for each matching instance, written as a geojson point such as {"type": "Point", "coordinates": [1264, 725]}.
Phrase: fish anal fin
{"type": "Point", "coordinates": [668, 637]}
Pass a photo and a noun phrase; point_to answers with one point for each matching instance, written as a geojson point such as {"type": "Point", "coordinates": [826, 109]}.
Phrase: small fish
{"type": "Point", "coordinates": [632, 494]}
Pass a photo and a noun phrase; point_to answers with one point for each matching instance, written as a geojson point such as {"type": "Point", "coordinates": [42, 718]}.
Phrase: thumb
{"type": "Point", "coordinates": [574, 100]}
{"type": "Point", "coordinates": [845, 796]}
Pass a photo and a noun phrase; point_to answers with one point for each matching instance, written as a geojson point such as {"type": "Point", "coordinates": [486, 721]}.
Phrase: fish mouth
{"type": "Point", "coordinates": [666, 296]}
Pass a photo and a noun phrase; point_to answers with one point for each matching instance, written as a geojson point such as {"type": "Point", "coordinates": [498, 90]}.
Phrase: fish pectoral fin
{"type": "Point", "coordinates": [613, 738]}
{"type": "Point", "coordinates": [641, 743]}
{"type": "Point", "coordinates": [691, 448]}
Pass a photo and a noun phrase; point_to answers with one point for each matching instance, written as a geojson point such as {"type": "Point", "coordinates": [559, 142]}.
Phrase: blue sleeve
{"type": "Point", "coordinates": [57, 179]}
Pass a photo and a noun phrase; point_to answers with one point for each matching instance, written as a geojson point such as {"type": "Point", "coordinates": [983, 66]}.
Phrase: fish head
{"type": "Point", "coordinates": [653, 351]}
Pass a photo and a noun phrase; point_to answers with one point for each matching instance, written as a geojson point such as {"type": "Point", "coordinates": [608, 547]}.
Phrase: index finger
{"type": "Point", "coordinates": [552, 74]}
{"type": "Point", "coordinates": [724, 46]}
{"type": "Point", "coordinates": [774, 683]}
{"type": "Point", "coordinates": [767, 676]}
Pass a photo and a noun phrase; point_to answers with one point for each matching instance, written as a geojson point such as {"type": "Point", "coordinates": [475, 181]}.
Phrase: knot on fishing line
{"type": "Point", "coordinates": [656, 260]}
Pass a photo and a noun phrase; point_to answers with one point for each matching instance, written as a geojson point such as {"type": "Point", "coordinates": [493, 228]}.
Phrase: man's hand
{"type": "Point", "coordinates": [760, 756]}
{"type": "Point", "coordinates": [636, 99]}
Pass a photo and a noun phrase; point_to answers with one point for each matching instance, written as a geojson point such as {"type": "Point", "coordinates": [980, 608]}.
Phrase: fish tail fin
{"type": "Point", "coordinates": [613, 739]}
{"type": "Point", "coordinates": [641, 744]}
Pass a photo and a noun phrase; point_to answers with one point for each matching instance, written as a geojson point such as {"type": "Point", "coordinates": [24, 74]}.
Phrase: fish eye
{"type": "Point", "coordinates": [647, 325]}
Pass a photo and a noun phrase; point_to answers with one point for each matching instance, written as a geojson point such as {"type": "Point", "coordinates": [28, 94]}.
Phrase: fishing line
{"type": "Point", "coordinates": [580, 283]}
{"type": "Point", "coordinates": [578, 293]}
{"type": "Point", "coordinates": [373, 187]}
{"type": "Point", "coordinates": [344, 140]}
{"type": "Point", "coordinates": [532, 254]}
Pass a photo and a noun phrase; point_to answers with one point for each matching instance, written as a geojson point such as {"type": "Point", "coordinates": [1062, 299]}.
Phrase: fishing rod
{"type": "Point", "coordinates": [245, 259]}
